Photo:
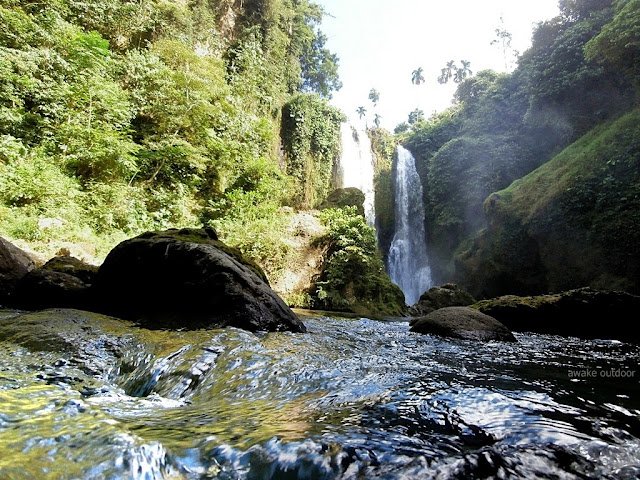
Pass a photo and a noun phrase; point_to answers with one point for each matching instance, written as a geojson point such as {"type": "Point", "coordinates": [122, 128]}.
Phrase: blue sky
{"type": "Point", "coordinates": [380, 42]}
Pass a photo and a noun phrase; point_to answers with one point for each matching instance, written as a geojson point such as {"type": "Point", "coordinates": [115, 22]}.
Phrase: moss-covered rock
{"type": "Point", "coordinates": [583, 312]}
{"type": "Point", "coordinates": [572, 222]}
{"type": "Point", "coordinates": [353, 277]}
{"type": "Point", "coordinates": [384, 146]}
{"type": "Point", "coordinates": [345, 197]}
{"type": "Point", "coordinates": [72, 266]}
{"type": "Point", "coordinates": [447, 295]}
{"type": "Point", "coordinates": [464, 323]}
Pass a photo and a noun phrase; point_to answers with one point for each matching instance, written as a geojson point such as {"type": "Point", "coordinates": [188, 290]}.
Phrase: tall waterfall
{"type": "Point", "coordinates": [355, 166]}
{"type": "Point", "coordinates": [408, 264]}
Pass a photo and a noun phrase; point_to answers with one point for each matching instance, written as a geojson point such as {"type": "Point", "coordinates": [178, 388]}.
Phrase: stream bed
{"type": "Point", "coordinates": [86, 396]}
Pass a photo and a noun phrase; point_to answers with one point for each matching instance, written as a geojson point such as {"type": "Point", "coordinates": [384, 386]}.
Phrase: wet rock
{"type": "Point", "coordinates": [188, 279]}
{"type": "Point", "coordinates": [65, 330]}
{"type": "Point", "coordinates": [43, 288]}
{"type": "Point", "coordinates": [462, 322]}
{"type": "Point", "coordinates": [14, 264]}
{"type": "Point", "coordinates": [447, 295]}
{"type": "Point", "coordinates": [583, 312]}
{"type": "Point", "coordinates": [72, 266]}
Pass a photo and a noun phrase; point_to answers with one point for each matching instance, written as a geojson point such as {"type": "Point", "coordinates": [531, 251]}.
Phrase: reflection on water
{"type": "Point", "coordinates": [97, 398]}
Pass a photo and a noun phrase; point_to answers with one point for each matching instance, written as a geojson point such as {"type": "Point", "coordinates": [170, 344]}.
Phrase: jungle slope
{"type": "Point", "coordinates": [573, 222]}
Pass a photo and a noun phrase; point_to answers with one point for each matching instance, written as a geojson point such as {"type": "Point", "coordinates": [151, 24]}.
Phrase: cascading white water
{"type": "Point", "coordinates": [355, 166]}
{"type": "Point", "coordinates": [408, 263]}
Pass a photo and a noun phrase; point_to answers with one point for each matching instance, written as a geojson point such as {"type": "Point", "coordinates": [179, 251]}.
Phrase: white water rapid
{"type": "Point", "coordinates": [355, 166]}
{"type": "Point", "coordinates": [408, 264]}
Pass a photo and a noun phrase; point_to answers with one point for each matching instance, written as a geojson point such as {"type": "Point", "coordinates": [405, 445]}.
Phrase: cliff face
{"type": "Point", "coordinates": [573, 222]}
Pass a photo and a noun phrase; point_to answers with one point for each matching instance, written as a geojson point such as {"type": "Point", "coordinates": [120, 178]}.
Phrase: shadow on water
{"type": "Point", "coordinates": [90, 397]}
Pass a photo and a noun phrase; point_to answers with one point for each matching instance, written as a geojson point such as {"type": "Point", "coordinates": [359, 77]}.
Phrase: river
{"type": "Point", "coordinates": [85, 396]}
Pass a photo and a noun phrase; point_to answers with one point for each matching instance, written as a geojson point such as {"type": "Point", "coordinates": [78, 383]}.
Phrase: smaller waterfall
{"type": "Point", "coordinates": [408, 264]}
{"type": "Point", "coordinates": [355, 166]}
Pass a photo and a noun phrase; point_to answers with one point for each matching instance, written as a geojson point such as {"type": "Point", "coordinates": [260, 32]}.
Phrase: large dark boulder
{"type": "Point", "coordinates": [583, 312]}
{"type": "Point", "coordinates": [464, 323]}
{"type": "Point", "coordinates": [448, 295]}
{"type": "Point", "coordinates": [43, 288]}
{"type": "Point", "coordinates": [188, 279]}
{"type": "Point", "coordinates": [14, 264]}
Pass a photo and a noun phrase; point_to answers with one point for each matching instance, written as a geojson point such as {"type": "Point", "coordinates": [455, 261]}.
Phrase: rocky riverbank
{"type": "Point", "coordinates": [172, 279]}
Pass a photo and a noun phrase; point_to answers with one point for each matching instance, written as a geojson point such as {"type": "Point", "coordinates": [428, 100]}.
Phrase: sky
{"type": "Point", "coordinates": [380, 42]}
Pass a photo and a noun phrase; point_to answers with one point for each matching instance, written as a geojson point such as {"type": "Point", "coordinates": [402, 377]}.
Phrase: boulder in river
{"type": "Point", "coordinates": [188, 279]}
{"type": "Point", "coordinates": [464, 323]}
{"type": "Point", "coordinates": [72, 266]}
{"type": "Point", "coordinates": [14, 264]}
{"type": "Point", "coordinates": [583, 312]}
{"type": "Point", "coordinates": [447, 295]}
{"type": "Point", "coordinates": [43, 288]}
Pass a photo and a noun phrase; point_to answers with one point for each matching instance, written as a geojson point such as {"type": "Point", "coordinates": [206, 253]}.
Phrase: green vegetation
{"type": "Point", "coordinates": [384, 145]}
{"type": "Point", "coordinates": [573, 221]}
{"type": "Point", "coordinates": [353, 277]}
{"type": "Point", "coordinates": [120, 117]}
{"type": "Point", "coordinates": [579, 73]}
{"type": "Point", "coordinates": [311, 139]}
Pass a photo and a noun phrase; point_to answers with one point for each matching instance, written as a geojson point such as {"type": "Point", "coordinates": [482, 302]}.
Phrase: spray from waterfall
{"type": "Point", "coordinates": [408, 263]}
{"type": "Point", "coordinates": [355, 166]}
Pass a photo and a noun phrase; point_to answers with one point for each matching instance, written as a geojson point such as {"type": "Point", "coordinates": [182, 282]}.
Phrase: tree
{"type": "Point", "coordinates": [462, 73]}
{"type": "Point", "coordinates": [451, 70]}
{"type": "Point", "coordinates": [320, 68]}
{"type": "Point", "coordinates": [374, 96]}
{"type": "Point", "coordinates": [376, 120]}
{"type": "Point", "coordinates": [416, 116]}
{"type": "Point", "coordinates": [504, 39]}
{"type": "Point", "coordinates": [447, 72]}
{"type": "Point", "coordinates": [417, 77]}
{"type": "Point", "coordinates": [361, 111]}
{"type": "Point", "coordinates": [618, 43]}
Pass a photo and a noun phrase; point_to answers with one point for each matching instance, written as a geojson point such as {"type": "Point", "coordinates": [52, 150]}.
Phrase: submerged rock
{"type": "Point", "coordinates": [462, 322]}
{"type": "Point", "coordinates": [14, 264]}
{"type": "Point", "coordinates": [189, 279]}
{"type": "Point", "coordinates": [447, 295]}
{"type": "Point", "coordinates": [583, 312]}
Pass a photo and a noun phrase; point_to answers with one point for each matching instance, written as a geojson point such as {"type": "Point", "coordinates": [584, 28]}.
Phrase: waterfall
{"type": "Point", "coordinates": [408, 264]}
{"type": "Point", "coordinates": [355, 166]}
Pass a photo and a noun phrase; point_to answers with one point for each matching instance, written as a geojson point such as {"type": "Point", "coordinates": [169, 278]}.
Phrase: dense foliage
{"type": "Point", "coordinates": [118, 116]}
{"type": "Point", "coordinates": [311, 140]}
{"type": "Point", "coordinates": [384, 147]}
{"type": "Point", "coordinates": [572, 222]}
{"type": "Point", "coordinates": [353, 278]}
{"type": "Point", "coordinates": [579, 72]}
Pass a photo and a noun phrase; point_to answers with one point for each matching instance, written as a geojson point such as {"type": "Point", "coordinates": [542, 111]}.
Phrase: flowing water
{"type": "Point", "coordinates": [408, 264]}
{"type": "Point", "coordinates": [355, 166]}
{"type": "Point", "coordinates": [85, 396]}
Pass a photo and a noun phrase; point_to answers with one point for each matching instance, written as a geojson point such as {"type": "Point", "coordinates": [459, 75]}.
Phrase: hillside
{"type": "Point", "coordinates": [573, 222]}
{"type": "Point", "coordinates": [120, 117]}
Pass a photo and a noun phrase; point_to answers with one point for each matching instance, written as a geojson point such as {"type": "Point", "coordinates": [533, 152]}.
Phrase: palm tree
{"type": "Point", "coordinates": [416, 76]}
{"type": "Point", "coordinates": [374, 96]}
{"type": "Point", "coordinates": [416, 116]}
{"type": "Point", "coordinates": [462, 73]}
{"type": "Point", "coordinates": [361, 111]}
{"type": "Point", "coordinates": [447, 72]}
{"type": "Point", "coordinates": [376, 120]}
